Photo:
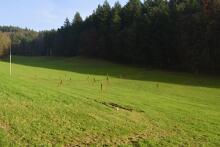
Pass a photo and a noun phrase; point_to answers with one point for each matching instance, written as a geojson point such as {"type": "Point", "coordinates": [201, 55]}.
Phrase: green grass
{"type": "Point", "coordinates": [59, 101]}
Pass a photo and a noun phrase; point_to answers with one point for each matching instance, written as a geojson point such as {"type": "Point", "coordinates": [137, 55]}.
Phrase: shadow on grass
{"type": "Point", "coordinates": [100, 67]}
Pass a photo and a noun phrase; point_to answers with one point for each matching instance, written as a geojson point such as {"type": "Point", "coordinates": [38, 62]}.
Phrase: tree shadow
{"type": "Point", "coordinates": [100, 67]}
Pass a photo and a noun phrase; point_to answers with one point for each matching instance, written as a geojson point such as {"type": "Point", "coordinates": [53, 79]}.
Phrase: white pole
{"type": "Point", "coordinates": [10, 59]}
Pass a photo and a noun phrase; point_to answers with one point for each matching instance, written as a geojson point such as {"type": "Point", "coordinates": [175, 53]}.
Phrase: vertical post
{"type": "Point", "coordinates": [10, 59]}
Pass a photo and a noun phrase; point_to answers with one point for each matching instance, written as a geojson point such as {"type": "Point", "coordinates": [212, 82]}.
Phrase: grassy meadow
{"type": "Point", "coordinates": [78, 101]}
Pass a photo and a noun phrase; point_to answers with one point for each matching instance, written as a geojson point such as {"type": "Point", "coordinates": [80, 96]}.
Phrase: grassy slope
{"type": "Point", "coordinates": [167, 108]}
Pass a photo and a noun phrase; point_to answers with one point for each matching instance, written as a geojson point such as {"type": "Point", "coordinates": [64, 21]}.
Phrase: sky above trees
{"type": "Point", "coordinates": [45, 14]}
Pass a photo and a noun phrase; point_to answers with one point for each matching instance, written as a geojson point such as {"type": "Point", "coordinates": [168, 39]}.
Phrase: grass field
{"type": "Point", "coordinates": [87, 102]}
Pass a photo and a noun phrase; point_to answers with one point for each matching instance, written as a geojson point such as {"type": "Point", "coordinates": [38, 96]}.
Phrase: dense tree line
{"type": "Point", "coordinates": [174, 34]}
{"type": "Point", "coordinates": [22, 41]}
{"type": "Point", "coordinates": [5, 42]}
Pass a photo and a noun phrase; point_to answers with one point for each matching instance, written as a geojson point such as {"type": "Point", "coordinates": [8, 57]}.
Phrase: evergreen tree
{"type": "Point", "coordinates": [67, 23]}
{"type": "Point", "coordinates": [77, 19]}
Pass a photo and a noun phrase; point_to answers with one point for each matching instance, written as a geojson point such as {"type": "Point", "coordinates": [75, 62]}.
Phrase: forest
{"type": "Point", "coordinates": [177, 34]}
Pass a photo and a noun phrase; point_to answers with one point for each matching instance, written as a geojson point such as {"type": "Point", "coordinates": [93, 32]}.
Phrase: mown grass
{"type": "Point", "coordinates": [59, 101]}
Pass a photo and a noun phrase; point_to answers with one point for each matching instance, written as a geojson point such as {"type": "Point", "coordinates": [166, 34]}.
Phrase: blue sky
{"type": "Point", "coordinates": [45, 14]}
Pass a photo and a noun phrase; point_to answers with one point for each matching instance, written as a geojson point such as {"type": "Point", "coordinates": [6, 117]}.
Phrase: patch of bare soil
{"type": "Point", "coordinates": [4, 126]}
{"type": "Point", "coordinates": [114, 105]}
{"type": "Point", "coordinates": [118, 107]}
